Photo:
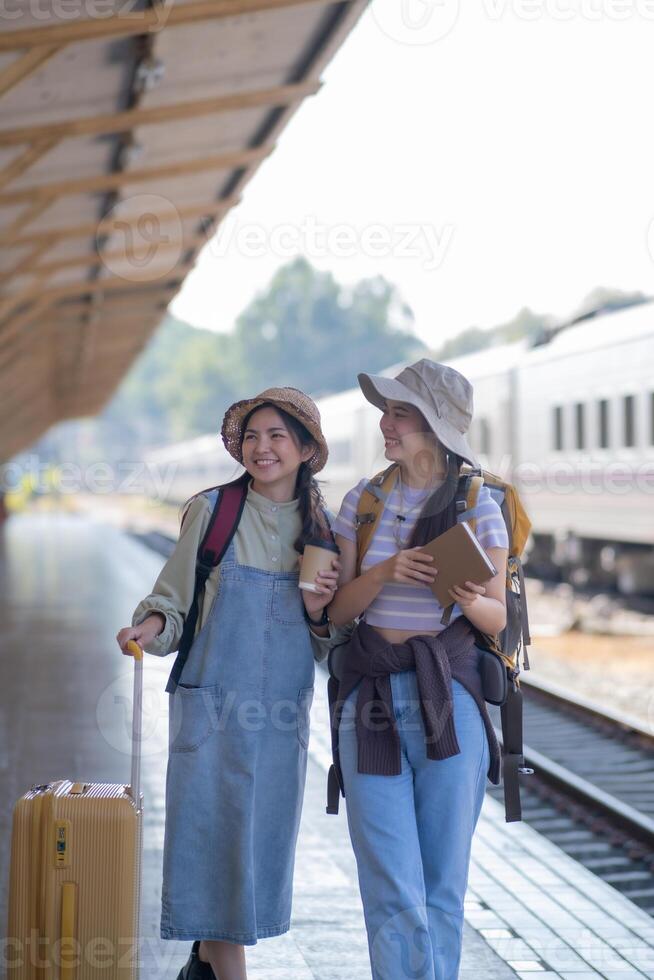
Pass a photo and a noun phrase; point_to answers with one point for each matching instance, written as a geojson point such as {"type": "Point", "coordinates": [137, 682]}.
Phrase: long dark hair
{"type": "Point", "coordinates": [307, 488]}
{"type": "Point", "coordinates": [438, 513]}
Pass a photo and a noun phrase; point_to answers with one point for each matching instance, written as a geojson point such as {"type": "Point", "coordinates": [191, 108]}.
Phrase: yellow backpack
{"type": "Point", "coordinates": [514, 638]}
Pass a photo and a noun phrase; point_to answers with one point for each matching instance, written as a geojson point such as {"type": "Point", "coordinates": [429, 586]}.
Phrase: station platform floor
{"type": "Point", "coordinates": [67, 584]}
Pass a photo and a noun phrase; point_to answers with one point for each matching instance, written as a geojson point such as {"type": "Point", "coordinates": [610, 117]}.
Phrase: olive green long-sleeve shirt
{"type": "Point", "coordinates": [264, 539]}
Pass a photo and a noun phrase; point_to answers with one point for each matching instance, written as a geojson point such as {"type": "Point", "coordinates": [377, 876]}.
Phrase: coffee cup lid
{"type": "Point", "coordinates": [323, 543]}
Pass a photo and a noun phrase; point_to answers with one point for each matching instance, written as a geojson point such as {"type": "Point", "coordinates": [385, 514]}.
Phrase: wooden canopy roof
{"type": "Point", "coordinates": [127, 131]}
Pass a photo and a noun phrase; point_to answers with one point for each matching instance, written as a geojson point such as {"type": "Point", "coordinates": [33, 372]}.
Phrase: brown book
{"type": "Point", "coordinates": [459, 558]}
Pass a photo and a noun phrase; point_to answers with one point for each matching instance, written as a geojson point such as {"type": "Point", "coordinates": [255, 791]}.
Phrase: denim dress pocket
{"type": "Point", "coordinates": [288, 607]}
{"type": "Point", "coordinates": [304, 701]}
{"type": "Point", "coordinates": [194, 716]}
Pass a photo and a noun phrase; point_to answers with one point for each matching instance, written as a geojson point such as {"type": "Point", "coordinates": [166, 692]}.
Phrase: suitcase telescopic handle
{"type": "Point", "coordinates": [137, 712]}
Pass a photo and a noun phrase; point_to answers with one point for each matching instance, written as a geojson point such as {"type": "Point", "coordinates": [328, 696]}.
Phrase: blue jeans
{"type": "Point", "coordinates": [412, 835]}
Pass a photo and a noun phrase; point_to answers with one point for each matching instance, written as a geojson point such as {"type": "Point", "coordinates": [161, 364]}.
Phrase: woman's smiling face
{"type": "Point", "coordinates": [270, 451]}
{"type": "Point", "coordinates": [405, 431]}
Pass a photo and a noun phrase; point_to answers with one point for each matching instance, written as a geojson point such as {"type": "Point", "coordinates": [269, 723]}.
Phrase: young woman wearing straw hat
{"type": "Point", "coordinates": [239, 712]}
{"type": "Point", "coordinates": [412, 738]}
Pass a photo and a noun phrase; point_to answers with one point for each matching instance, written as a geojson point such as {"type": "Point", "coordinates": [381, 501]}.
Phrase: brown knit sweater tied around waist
{"type": "Point", "coordinates": [437, 660]}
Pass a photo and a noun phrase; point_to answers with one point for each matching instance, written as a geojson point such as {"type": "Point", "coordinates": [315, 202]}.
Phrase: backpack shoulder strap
{"type": "Point", "coordinates": [225, 517]}
{"type": "Point", "coordinates": [371, 506]}
{"type": "Point", "coordinates": [517, 519]}
{"type": "Point", "coordinates": [467, 497]}
{"type": "Point", "coordinates": [227, 509]}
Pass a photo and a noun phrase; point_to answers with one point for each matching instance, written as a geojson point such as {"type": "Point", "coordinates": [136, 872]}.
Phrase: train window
{"type": "Point", "coordinates": [603, 407]}
{"type": "Point", "coordinates": [629, 421]}
{"type": "Point", "coordinates": [558, 427]}
{"type": "Point", "coordinates": [579, 425]}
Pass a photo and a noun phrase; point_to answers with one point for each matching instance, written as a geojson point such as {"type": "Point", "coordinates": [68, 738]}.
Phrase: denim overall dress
{"type": "Point", "coordinates": [238, 739]}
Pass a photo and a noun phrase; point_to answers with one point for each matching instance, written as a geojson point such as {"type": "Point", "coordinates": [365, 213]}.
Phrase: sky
{"type": "Point", "coordinates": [483, 159]}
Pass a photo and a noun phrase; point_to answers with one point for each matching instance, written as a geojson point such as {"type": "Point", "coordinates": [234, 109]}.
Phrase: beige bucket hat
{"type": "Point", "coordinates": [442, 394]}
{"type": "Point", "coordinates": [291, 400]}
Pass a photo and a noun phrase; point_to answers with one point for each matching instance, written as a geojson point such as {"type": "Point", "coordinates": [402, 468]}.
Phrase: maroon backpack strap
{"type": "Point", "coordinates": [222, 524]}
{"type": "Point", "coordinates": [226, 514]}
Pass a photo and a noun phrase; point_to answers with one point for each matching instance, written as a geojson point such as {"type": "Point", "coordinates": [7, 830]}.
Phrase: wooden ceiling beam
{"type": "Point", "coordinates": [17, 167]}
{"type": "Point", "coordinates": [108, 308]}
{"type": "Point", "coordinates": [38, 352]}
{"type": "Point", "coordinates": [94, 261]}
{"type": "Point", "coordinates": [26, 64]}
{"type": "Point", "coordinates": [88, 185]}
{"type": "Point", "coordinates": [89, 287]}
{"type": "Point", "coordinates": [108, 379]}
{"type": "Point", "coordinates": [24, 218]}
{"type": "Point", "coordinates": [10, 330]}
{"type": "Point", "coordinates": [22, 347]}
{"type": "Point", "coordinates": [151, 20]}
{"type": "Point", "coordinates": [28, 261]}
{"type": "Point", "coordinates": [108, 320]}
{"type": "Point", "coordinates": [31, 386]}
{"type": "Point", "coordinates": [113, 303]}
{"type": "Point", "coordinates": [14, 335]}
{"type": "Point", "coordinates": [98, 228]}
{"type": "Point", "coordinates": [31, 422]}
{"type": "Point", "coordinates": [120, 122]}
{"type": "Point", "coordinates": [21, 385]}
{"type": "Point", "coordinates": [18, 437]}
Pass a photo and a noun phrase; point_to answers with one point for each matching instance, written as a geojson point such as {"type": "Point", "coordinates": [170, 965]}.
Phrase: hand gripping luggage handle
{"type": "Point", "coordinates": [137, 712]}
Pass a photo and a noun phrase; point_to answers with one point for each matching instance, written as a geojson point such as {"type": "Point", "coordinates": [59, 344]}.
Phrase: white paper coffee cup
{"type": "Point", "coordinates": [317, 557]}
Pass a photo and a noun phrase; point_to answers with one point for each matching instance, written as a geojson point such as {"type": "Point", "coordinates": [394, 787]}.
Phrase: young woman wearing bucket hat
{"type": "Point", "coordinates": [239, 712]}
{"type": "Point", "coordinates": [412, 738]}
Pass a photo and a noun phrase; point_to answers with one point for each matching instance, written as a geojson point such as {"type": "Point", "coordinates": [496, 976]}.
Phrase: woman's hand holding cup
{"type": "Point", "coordinates": [319, 571]}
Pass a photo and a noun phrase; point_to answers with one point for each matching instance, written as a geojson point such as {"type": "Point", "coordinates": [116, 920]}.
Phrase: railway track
{"type": "Point", "coordinates": [592, 792]}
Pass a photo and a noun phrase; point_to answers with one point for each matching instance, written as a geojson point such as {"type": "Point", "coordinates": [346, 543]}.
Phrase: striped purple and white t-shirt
{"type": "Point", "coordinates": [398, 605]}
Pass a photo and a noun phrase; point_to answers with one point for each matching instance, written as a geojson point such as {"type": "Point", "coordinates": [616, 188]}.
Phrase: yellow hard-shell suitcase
{"type": "Point", "coordinates": [75, 874]}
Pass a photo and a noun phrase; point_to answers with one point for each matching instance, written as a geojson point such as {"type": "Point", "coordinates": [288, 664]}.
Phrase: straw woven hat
{"type": "Point", "coordinates": [291, 400]}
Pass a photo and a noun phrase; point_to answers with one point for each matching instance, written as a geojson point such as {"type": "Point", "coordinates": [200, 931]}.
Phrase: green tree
{"type": "Point", "coordinates": [308, 331]}
{"type": "Point", "coordinates": [525, 323]}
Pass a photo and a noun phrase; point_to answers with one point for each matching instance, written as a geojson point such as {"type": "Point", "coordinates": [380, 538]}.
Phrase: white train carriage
{"type": "Point", "coordinates": [585, 446]}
